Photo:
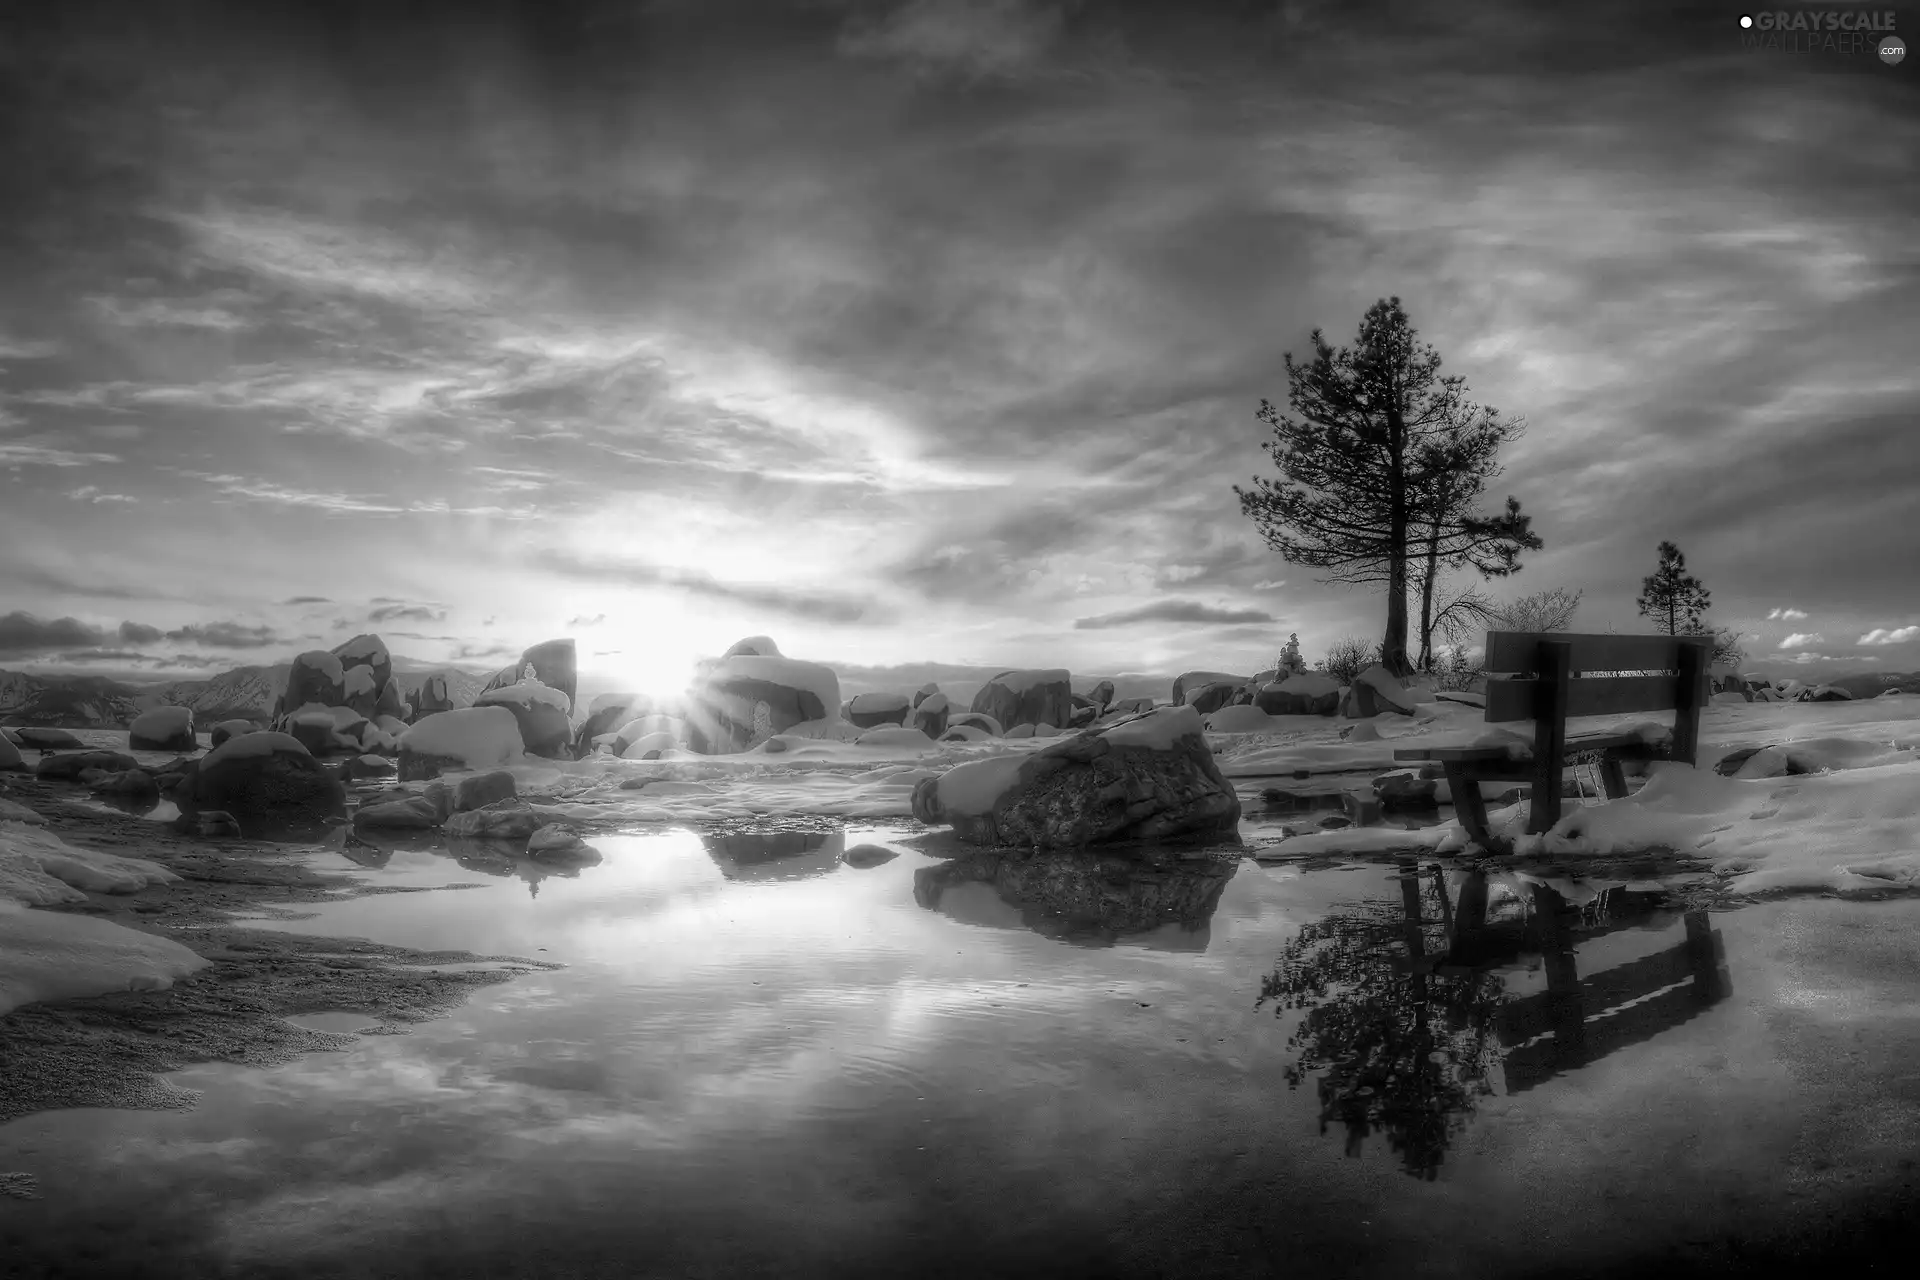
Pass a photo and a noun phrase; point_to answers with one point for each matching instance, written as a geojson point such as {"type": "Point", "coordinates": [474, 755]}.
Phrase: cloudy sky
{"type": "Point", "coordinates": [925, 331]}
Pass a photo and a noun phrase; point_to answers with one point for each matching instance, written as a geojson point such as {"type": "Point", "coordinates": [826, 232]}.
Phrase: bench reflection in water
{"type": "Point", "coordinates": [1405, 1020]}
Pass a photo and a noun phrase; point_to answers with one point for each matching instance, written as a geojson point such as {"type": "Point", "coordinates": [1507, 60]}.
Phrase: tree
{"type": "Point", "coordinates": [1361, 465]}
{"type": "Point", "coordinates": [1671, 596]}
{"type": "Point", "coordinates": [1550, 610]}
{"type": "Point", "coordinates": [1348, 657]}
{"type": "Point", "coordinates": [1727, 649]}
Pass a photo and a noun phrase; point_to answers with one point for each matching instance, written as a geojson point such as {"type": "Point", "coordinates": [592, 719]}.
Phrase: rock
{"type": "Point", "coordinates": [1385, 690]}
{"type": "Point", "coordinates": [417, 766]}
{"type": "Point", "coordinates": [326, 731]}
{"type": "Point", "coordinates": [1362, 732]}
{"type": "Point", "coordinates": [1034, 696]}
{"type": "Point", "coordinates": [1309, 694]}
{"type": "Point", "coordinates": [555, 664]}
{"type": "Point", "coordinates": [369, 651]}
{"type": "Point", "coordinates": [1185, 683]}
{"type": "Point", "coordinates": [416, 813]}
{"type": "Point", "coordinates": [316, 679]}
{"type": "Point", "coordinates": [1102, 694]}
{"type": "Point", "coordinates": [483, 789]}
{"type": "Point", "coordinates": [558, 844]}
{"type": "Point", "coordinates": [390, 705]}
{"type": "Point", "coordinates": [1405, 789]}
{"type": "Point", "coordinates": [966, 733]}
{"type": "Point", "coordinates": [362, 693]}
{"type": "Point", "coordinates": [369, 766]}
{"type": "Point", "coordinates": [744, 699]}
{"type": "Point", "coordinates": [433, 698]}
{"type": "Point", "coordinates": [262, 776]}
{"type": "Point", "coordinates": [1210, 697]}
{"type": "Point", "coordinates": [1333, 822]}
{"type": "Point", "coordinates": [229, 729]}
{"type": "Point", "coordinates": [924, 692]}
{"type": "Point", "coordinates": [10, 757]}
{"type": "Point", "coordinates": [1828, 693]}
{"type": "Point", "coordinates": [1130, 706]}
{"type": "Point", "coordinates": [607, 713]}
{"type": "Point", "coordinates": [162, 729]}
{"type": "Point", "coordinates": [868, 855]}
{"type": "Point", "coordinates": [752, 647]}
{"type": "Point", "coordinates": [930, 713]}
{"type": "Point", "coordinates": [871, 710]}
{"type": "Point", "coordinates": [976, 720]}
{"type": "Point", "coordinates": [67, 768]}
{"type": "Point", "coordinates": [503, 820]}
{"type": "Point", "coordinates": [45, 739]}
{"type": "Point", "coordinates": [541, 711]}
{"type": "Point", "coordinates": [1080, 719]}
{"type": "Point", "coordinates": [209, 824]}
{"type": "Point", "coordinates": [1148, 778]}
{"type": "Point", "coordinates": [128, 782]}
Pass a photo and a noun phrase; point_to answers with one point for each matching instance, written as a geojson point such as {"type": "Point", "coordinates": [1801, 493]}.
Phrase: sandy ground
{"type": "Point", "coordinates": [110, 1050]}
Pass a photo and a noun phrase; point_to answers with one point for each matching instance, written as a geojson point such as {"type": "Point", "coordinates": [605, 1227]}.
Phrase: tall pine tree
{"type": "Point", "coordinates": [1362, 468]}
{"type": "Point", "coordinates": [1672, 597]}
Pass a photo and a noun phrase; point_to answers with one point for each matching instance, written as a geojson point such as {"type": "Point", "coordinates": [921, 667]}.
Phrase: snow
{"type": "Point", "coordinates": [526, 693]}
{"type": "Point", "coordinates": [322, 661]}
{"type": "Point", "coordinates": [1244, 719]}
{"type": "Point", "coordinates": [605, 700]}
{"type": "Point", "coordinates": [162, 722]}
{"type": "Point", "coordinates": [53, 956]}
{"type": "Point", "coordinates": [933, 704]}
{"type": "Point", "coordinates": [481, 737]}
{"type": "Point", "coordinates": [261, 743]}
{"type": "Point", "coordinates": [362, 649]}
{"type": "Point", "coordinates": [1158, 730]}
{"type": "Point", "coordinates": [791, 673]}
{"type": "Point", "coordinates": [360, 680]}
{"type": "Point", "coordinates": [894, 735]}
{"type": "Point", "coordinates": [1019, 682]}
{"type": "Point", "coordinates": [877, 703]}
{"type": "Point", "coordinates": [973, 788]}
{"type": "Point", "coordinates": [39, 869]}
{"type": "Point", "coordinates": [657, 741]}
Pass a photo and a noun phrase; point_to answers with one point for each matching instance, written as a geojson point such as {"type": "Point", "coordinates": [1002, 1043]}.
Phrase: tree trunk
{"type": "Point", "coordinates": [1426, 592]}
{"type": "Point", "coordinates": [1393, 649]}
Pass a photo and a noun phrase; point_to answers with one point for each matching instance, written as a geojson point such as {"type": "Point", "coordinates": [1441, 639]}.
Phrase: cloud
{"type": "Point", "coordinates": [1799, 640]}
{"type": "Point", "coordinates": [1172, 611]}
{"type": "Point", "coordinates": [979, 37]}
{"type": "Point", "coordinates": [471, 651]}
{"type": "Point", "coordinates": [397, 612]}
{"type": "Point", "coordinates": [1269, 584]}
{"type": "Point", "coordinates": [22, 633]}
{"type": "Point", "coordinates": [1880, 635]}
{"type": "Point", "coordinates": [584, 621]}
{"type": "Point", "coordinates": [21, 453]}
{"type": "Point", "coordinates": [1804, 658]}
{"type": "Point", "coordinates": [140, 633]}
{"type": "Point", "coordinates": [227, 635]}
{"type": "Point", "coordinates": [293, 600]}
{"type": "Point", "coordinates": [92, 493]}
{"type": "Point", "coordinates": [1789, 615]}
{"type": "Point", "coordinates": [818, 606]}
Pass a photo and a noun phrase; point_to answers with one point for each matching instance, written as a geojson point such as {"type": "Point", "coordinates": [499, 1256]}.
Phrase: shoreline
{"type": "Point", "coordinates": [112, 1050]}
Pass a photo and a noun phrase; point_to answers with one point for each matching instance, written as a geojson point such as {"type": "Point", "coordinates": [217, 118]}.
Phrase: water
{"type": "Point", "coordinates": [763, 1061]}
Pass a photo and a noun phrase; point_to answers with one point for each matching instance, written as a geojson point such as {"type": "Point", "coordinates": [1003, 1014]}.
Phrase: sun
{"type": "Point", "coordinates": [649, 649]}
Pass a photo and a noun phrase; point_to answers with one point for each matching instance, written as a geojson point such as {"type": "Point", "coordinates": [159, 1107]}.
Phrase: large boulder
{"type": "Point", "coordinates": [742, 700]}
{"type": "Point", "coordinates": [262, 777]}
{"type": "Point", "coordinates": [162, 729]}
{"type": "Point", "coordinates": [1210, 697]}
{"type": "Point", "coordinates": [326, 731]}
{"type": "Point", "coordinates": [465, 738]}
{"type": "Point", "coordinates": [368, 651]}
{"type": "Point", "coordinates": [1310, 694]}
{"type": "Point", "coordinates": [1827, 693]}
{"type": "Point", "coordinates": [1035, 696]}
{"type": "Point", "coordinates": [752, 647]}
{"type": "Point", "coordinates": [391, 704]}
{"type": "Point", "coordinates": [542, 714]}
{"type": "Point", "coordinates": [871, 710]}
{"type": "Point", "coordinates": [10, 757]}
{"type": "Point", "coordinates": [605, 714]}
{"type": "Point", "coordinates": [1151, 777]}
{"type": "Point", "coordinates": [672, 728]}
{"type": "Point", "coordinates": [1376, 690]}
{"type": "Point", "coordinates": [46, 739]}
{"type": "Point", "coordinates": [316, 678]}
{"type": "Point", "coordinates": [1191, 680]}
{"type": "Point", "coordinates": [924, 692]}
{"type": "Point", "coordinates": [433, 699]}
{"type": "Point", "coordinates": [1101, 695]}
{"type": "Point", "coordinates": [930, 714]}
{"type": "Point", "coordinates": [979, 720]}
{"type": "Point", "coordinates": [556, 664]}
{"type": "Point", "coordinates": [68, 767]}
{"type": "Point", "coordinates": [230, 729]}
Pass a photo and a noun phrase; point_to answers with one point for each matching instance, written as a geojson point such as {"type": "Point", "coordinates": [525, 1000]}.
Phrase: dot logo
{"type": "Point", "coordinates": [1892, 50]}
{"type": "Point", "coordinates": [1746, 20]}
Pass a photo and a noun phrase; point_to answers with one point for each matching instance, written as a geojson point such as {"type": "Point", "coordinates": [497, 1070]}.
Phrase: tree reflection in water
{"type": "Point", "coordinates": [1404, 1049]}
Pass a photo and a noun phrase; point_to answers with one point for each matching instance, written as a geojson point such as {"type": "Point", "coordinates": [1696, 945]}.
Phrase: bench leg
{"type": "Point", "coordinates": [1613, 776]}
{"type": "Point", "coordinates": [1471, 806]}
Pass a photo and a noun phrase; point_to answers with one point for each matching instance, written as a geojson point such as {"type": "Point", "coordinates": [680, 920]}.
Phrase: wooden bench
{"type": "Point", "coordinates": [1548, 676]}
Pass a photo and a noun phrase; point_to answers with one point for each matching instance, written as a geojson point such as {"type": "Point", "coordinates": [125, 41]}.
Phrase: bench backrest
{"type": "Point", "coordinates": [1550, 675]}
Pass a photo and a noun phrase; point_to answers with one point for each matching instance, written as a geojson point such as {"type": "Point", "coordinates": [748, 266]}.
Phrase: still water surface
{"type": "Point", "coordinates": [763, 1061]}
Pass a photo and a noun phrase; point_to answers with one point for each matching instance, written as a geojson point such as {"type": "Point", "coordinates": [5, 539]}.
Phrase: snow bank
{"type": "Point", "coordinates": [896, 736]}
{"type": "Point", "coordinates": [1157, 729]}
{"type": "Point", "coordinates": [479, 736]}
{"type": "Point", "coordinates": [50, 956]}
{"type": "Point", "coordinates": [40, 869]}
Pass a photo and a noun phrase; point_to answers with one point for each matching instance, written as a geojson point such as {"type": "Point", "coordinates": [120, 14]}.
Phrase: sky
{"type": "Point", "coordinates": [923, 332]}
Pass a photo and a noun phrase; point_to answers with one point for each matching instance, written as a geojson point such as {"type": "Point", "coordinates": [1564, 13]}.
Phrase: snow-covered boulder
{"type": "Point", "coordinates": [1376, 690]}
{"type": "Point", "coordinates": [10, 757]}
{"type": "Point", "coordinates": [607, 713]}
{"type": "Point", "coordinates": [368, 651]}
{"type": "Point", "coordinates": [390, 705]}
{"type": "Point", "coordinates": [433, 699]}
{"type": "Point", "coordinates": [1211, 696]}
{"type": "Point", "coordinates": [924, 692]}
{"type": "Point", "coordinates": [1034, 696]}
{"type": "Point", "coordinates": [259, 777]}
{"type": "Point", "coordinates": [1185, 683]}
{"type": "Point", "coordinates": [966, 733]}
{"type": "Point", "coordinates": [1827, 693]}
{"type": "Point", "coordinates": [162, 729]}
{"type": "Point", "coordinates": [504, 820]}
{"type": "Point", "coordinates": [1101, 695]}
{"type": "Point", "coordinates": [542, 713]}
{"type": "Point", "coordinates": [557, 665]}
{"type": "Point", "coordinates": [976, 720]}
{"type": "Point", "coordinates": [326, 731]}
{"type": "Point", "coordinates": [752, 647]}
{"type": "Point", "coordinates": [1242, 719]}
{"type": "Point", "coordinates": [871, 710]}
{"type": "Point", "coordinates": [741, 701]}
{"type": "Point", "coordinates": [673, 728]}
{"type": "Point", "coordinates": [648, 746]}
{"type": "Point", "coordinates": [1307, 694]}
{"type": "Point", "coordinates": [1152, 777]}
{"type": "Point", "coordinates": [317, 678]}
{"type": "Point", "coordinates": [930, 713]}
{"type": "Point", "coordinates": [465, 738]}
{"type": "Point", "coordinates": [230, 729]}
{"type": "Point", "coordinates": [47, 739]}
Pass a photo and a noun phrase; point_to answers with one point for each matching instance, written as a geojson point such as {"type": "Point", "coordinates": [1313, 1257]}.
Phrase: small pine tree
{"type": "Point", "coordinates": [1291, 663]}
{"type": "Point", "coordinates": [1671, 596]}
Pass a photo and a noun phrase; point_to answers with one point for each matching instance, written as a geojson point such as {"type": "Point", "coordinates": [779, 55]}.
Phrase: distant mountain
{"type": "Point", "coordinates": [245, 693]}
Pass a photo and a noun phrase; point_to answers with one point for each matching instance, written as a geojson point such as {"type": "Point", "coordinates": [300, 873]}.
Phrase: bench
{"type": "Point", "coordinates": [1547, 677]}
